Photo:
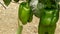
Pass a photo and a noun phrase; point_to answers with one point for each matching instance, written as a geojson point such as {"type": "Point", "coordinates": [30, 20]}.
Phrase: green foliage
{"type": "Point", "coordinates": [48, 3]}
{"type": "Point", "coordinates": [28, 1]}
{"type": "Point", "coordinates": [16, 0]}
{"type": "Point", "coordinates": [7, 2]}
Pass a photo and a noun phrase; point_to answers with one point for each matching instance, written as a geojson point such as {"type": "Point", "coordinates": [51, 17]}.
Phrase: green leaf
{"type": "Point", "coordinates": [28, 1]}
{"type": "Point", "coordinates": [7, 2]}
{"type": "Point", "coordinates": [16, 0]}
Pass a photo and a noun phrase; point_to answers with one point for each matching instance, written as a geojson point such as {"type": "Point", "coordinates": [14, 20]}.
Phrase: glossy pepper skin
{"type": "Point", "coordinates": [46, 29]}
{"type": "Point", "coordinates": [25, 13]}
{"type": "Point", "coordinates": [30, 16]}
{"type": "Point", "coordinates": [48, 22]}
{"type": "Point", "coordinates": [49, 16]}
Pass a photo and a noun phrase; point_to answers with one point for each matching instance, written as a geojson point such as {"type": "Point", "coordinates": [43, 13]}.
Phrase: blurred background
{"type": "Point", "coordinates": [9, 21]}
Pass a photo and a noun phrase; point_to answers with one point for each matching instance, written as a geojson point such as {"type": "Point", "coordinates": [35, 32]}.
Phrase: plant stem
{"type": "Point", "coordinates": [2, 5]}
{"type": "Point", "coordinates": [20, 28]}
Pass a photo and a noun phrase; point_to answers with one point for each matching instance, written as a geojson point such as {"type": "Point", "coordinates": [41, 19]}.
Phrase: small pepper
{"type": "Point", "coordinates": [25, 13]}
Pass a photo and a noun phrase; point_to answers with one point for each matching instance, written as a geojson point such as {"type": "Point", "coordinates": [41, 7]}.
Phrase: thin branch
{"type": "Point", "coordinates": [2, 5]}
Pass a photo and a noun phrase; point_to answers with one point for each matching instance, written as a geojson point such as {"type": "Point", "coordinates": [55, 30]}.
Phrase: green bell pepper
{"type": "Point", "coordinates": [49, 16]}
{"type": "Point", "coordinates": [25, 13]}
